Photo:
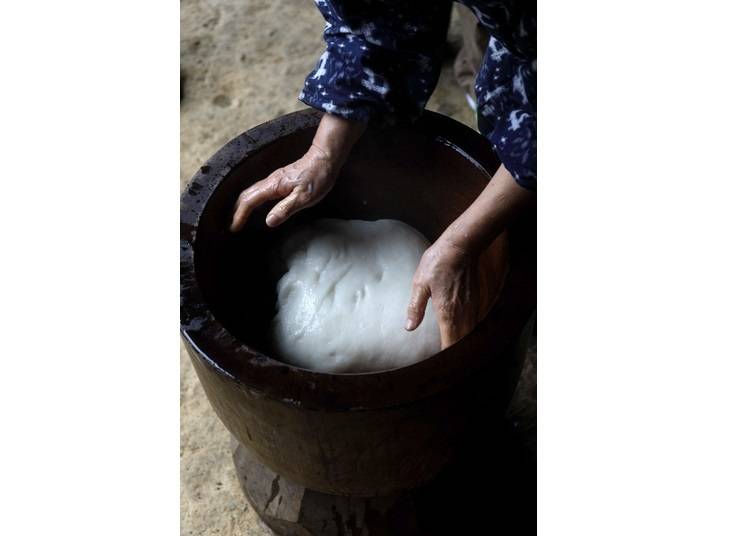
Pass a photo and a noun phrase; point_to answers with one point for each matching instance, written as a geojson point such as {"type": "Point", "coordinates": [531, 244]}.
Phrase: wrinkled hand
{"type": "Point", "coordinates": [449, 276]}
{"type": "Point", "coordinates": [464, 269]}
{"type": "Point", "coordinates": [462, 287]}
{"type": "Point", "coordinates": [301, 184]}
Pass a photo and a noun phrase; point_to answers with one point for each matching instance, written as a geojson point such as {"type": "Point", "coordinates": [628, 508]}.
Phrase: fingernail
{"type": "Point", "coordinates": [410, 324]}
{"type": "Point", "coordinates": [272, 220]}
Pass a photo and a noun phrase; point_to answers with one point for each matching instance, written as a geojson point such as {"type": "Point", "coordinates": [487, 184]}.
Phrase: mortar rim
{"type": "Point", "coordinates": [261, 375]}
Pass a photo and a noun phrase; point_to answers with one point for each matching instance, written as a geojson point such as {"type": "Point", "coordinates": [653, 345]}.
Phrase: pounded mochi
{"type": "Point", "coordinates": [342, 302]}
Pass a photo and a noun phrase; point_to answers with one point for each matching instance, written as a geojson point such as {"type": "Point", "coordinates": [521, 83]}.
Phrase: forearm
{"type": "Point", "coordinates": [500, 201]}
{"type": "Point", "coordinates": [335, 138]}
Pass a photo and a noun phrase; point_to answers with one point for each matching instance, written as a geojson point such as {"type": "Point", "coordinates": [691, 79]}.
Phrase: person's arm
{"type": "Point", "coordinates": [450, 271]}
{"type": "Point", "coordinates": [381, 61]}
{"type": "Point", "coordinates": [306, 181]}
{"type": "Point", "coordinates": [499, 203]}
{"type": "Point", "coordinates": [506, 99]}
{"type": "Point", "coordinates": [454, 271]}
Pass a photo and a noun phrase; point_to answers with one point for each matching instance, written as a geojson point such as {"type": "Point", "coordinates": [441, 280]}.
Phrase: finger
{"type": "Point", "coordinates": [294, 202]}
{"type": "Point", "coordinates": [450, 330]}
{"type": "Point", "coordinates": [417, 304]}
{"type": "Point", "coordinates": [455, 322]}
{"type": "Point", "coordinates": [266, 190]}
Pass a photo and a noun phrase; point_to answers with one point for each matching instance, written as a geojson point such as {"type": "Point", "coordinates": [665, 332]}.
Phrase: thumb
{"type": "Point", "coordinates": [417, 305]}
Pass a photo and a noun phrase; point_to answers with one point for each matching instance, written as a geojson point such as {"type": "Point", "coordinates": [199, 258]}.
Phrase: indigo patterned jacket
{"type": "Point", "coordinates": [382, 62]}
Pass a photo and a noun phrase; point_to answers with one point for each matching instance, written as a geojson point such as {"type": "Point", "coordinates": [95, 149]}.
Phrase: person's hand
{"type": "Point", "coordinates": [461, 285]}
{"type": "Point", "coordinates": [301, 184]}
{"type": "Point", "coordinates": [464, 269]}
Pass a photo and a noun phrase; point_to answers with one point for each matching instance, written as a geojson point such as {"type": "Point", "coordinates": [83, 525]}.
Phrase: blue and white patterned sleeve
{"type": "Point", "coordinates": [382, 58]}
{"type": "Point", "coordinates": [506, 85]}
{"type": "Point", "coordinates": [506, 98]}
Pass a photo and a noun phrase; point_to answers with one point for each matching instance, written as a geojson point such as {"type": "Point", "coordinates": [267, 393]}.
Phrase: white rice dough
{"type": "Point", "coordinates": [342, 302]}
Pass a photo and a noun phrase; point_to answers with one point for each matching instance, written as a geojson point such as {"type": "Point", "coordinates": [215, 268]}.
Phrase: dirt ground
{"type": "Point", "coordinates": [243, 63]}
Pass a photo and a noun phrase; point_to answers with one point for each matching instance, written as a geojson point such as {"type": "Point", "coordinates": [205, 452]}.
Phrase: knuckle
{"type": "Point", "coordinates": [276, 186]}
{"type": "Point", "coordinates": [288, 176]}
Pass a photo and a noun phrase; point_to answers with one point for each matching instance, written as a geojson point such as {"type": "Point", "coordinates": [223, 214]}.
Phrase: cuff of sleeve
{"type": "Point", "coordinates": [514, 143]}
{"type": "Point", "coordinates": [525, 181]}
{"type": "Point", "coordinates": [348, 110]}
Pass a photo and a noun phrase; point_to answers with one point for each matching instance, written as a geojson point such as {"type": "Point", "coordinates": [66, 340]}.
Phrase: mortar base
{"type": "Point", "coordinates": [489, 489]}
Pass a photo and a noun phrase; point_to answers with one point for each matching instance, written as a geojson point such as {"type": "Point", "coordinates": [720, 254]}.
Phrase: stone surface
{"type": "Point", "coordinates": [242, 63]}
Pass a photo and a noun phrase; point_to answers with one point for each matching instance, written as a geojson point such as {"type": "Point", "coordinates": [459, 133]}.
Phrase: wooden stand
{"type": "Point", "coordinates": [489, 489]}
{"type": "Point", "coordinates": [293, 510]}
